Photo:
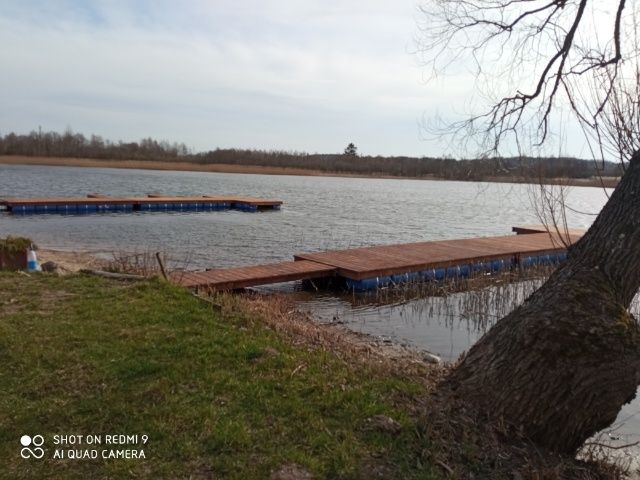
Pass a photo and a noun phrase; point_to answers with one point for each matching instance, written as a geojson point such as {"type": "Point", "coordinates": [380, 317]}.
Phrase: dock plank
{"type": "Point", "coordinates": [137, 200]}
{"type": "Point", "coordinates": [241, 277]}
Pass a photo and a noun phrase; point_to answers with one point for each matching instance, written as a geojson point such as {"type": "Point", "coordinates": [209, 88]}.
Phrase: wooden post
{"type": "Point", "coordinates": [162, 270]}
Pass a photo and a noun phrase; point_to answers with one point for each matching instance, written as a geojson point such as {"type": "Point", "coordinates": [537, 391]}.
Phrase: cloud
{"type": "Point", "coordinates": [289, 75]}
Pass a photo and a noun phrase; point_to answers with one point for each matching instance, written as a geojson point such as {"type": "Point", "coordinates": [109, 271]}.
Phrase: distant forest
{"type": "Point", "coordinates": [75, 145]}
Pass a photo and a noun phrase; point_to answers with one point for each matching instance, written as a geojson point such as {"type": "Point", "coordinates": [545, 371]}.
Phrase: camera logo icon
{"type": "Point", "coordinates": [31, 446]}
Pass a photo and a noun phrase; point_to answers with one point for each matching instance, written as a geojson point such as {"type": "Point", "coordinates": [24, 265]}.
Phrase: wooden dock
{"type": "Point", "coordinates": [372, 267]}
{"type": "Point", "coordinates": [241, 277]}
{"type": "Point", "coordinates": [97, 203]}
{"type": "Point", "coordinates": [369, 262]}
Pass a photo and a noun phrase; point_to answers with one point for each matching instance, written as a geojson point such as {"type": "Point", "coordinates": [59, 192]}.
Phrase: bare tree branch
{"type": "Point", "coordinates": [549, 43]}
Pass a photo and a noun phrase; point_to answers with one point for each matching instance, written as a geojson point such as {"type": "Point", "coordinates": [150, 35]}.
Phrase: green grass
{"type": "Point", "coordinates": [218, 394]}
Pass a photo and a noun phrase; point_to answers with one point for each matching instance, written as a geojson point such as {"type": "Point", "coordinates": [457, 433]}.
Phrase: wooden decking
{"type": "Point", "coordinates": [371, 262]}
{"type": "Point", "coordinates": [241, 277]}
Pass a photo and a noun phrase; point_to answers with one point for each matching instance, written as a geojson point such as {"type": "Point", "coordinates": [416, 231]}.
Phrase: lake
{"type": "Point", "coordinates": [319, 213]}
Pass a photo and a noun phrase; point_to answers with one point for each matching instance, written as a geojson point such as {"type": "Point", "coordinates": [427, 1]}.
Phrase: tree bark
{"type": "Point", "coordinates": [560, 367]}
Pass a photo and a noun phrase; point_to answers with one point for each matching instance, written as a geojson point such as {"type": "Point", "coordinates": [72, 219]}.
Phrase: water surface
{"type": "Point", "coordinates": [319, 213]}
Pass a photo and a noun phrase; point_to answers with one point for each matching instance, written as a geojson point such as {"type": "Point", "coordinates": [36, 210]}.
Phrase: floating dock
{"type": "Point", "coordinates": [242, 277]}
{"type": "Point", "coordinates": [368, 268]}
{"type": "Point", "coordinates": [96, 203]}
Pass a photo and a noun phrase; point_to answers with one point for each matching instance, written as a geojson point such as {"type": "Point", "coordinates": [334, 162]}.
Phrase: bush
{"type": "Point", "coordinates": [15, 244]}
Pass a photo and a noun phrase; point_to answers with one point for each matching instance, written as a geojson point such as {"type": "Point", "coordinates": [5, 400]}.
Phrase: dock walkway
{"type": "Point", "coordinates": [241, 277]}
{"type": "Point", "coordinates": [372, 267]}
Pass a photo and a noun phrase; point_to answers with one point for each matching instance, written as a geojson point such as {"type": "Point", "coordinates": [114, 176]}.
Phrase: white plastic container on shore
{"type": "Point", "coordinates": [32, 261]}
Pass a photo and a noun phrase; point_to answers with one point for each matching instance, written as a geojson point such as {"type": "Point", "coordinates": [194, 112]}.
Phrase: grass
{"type": "Point", "coordinates": [218, 393]}
{"type": "Point", "coordinates": [14, 244]}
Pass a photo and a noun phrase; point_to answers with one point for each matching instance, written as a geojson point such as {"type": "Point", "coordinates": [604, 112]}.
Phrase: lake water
{"type": "Point", "coordinates": [319, 213]}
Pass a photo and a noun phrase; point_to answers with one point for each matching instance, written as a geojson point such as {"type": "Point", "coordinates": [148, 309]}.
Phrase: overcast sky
{"type": "Point", "coordinates": [279, 74]}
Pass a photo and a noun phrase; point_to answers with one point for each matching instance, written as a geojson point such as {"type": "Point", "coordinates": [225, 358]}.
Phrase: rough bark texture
{"type": "Point", "coordinates": [560, 367]}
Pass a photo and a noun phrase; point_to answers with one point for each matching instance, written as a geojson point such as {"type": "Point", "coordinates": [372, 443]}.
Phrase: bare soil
{"type": "Point", "coordinates": [69, 262]}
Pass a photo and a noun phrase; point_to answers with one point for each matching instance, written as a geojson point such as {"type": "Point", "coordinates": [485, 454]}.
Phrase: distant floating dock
{"type": "Point", "coordinates": [97, 203]}
{"type": "Point", "coordinates": [368, 268]}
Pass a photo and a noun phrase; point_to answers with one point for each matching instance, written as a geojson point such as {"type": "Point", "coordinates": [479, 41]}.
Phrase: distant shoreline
{"type": "Point", "coordinates": [608, 182]}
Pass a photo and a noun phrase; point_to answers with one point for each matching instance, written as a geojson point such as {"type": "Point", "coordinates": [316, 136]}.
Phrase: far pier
{"type": "Point", "coordinates": [97, 203]}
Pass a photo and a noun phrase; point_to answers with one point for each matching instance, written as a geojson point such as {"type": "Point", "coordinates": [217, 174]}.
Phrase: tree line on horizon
{"type": "Point", "coordinates": [71, 144]}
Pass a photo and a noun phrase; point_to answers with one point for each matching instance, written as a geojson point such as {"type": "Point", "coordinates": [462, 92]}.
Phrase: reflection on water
{"type": "Point", "coordinates": [444, 319]}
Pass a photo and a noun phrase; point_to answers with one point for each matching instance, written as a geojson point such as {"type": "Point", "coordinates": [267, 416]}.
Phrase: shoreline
{"type": "Point", "coordinates": [283, 315]}
{"type": "Point", "coordinates": [607, 182]}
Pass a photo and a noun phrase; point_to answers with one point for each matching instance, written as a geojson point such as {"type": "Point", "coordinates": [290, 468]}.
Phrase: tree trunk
{"type": "Point", "coordinates": [560, 367]}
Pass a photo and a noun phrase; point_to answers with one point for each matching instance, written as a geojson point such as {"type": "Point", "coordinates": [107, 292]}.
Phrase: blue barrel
{"type": "Point", "coordinates": [400, 278]}
{"type": "Point", "coordinates": [67, 209]}
{"type": "Point", "coordinates": [452, 272]}
{"type": "Point", "coordinates": [413, 277]}
{"type": "Point", "coordinates": [87, 208]}
{"type": "Point", "coordinates": [428, 275]}
{"type": "Point", "coordinates": [480, 267]}
{"type": "Point", "coordinates": [44, 208]}
{"type": "Point", "coordinates": [497, 265]}
{"type": "Point", "coordinates": [22, 209]}
{"type": "Point", "coordinates": [465, 270]}
{"type": "Point", "coordinates": [362, 285]}
{"type": "Point", "coordinates": [440, 274]}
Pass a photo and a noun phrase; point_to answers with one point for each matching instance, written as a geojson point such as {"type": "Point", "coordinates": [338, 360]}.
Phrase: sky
{"type": "Point", "coordinates": [298, 75]}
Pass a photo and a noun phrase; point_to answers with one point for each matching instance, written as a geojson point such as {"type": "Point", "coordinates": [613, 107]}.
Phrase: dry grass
{"type": "Point", "coordinates": [140, 263]}
{"type": "Point", "coordinates": [282, 316]}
